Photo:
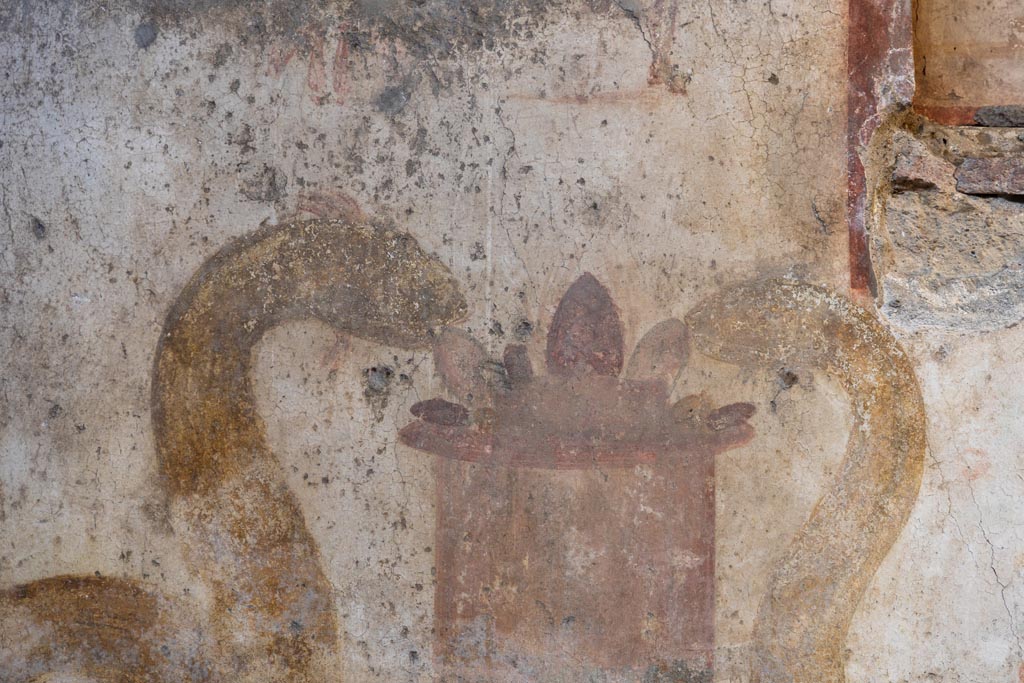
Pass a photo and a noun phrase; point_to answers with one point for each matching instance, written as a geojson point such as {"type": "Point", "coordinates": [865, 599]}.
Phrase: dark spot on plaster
{"type": "Point", "coordinates": [248, 19]}
{"type": "Point", "coordinates": [243, 138]}
{"type": "Point", "coordinates": [145, 34]}
{"type": "Point", "coordinates": [268, 186]}
{"type": "Point", "coordinates": [773, 79]}
{"type": "Point", "coordinates": [676, 672]}
{"type": "Point", "coordinates": [223, 53]}
{"type": "Point", "coordinates": [436, 29]}
{"type": "Point", "coordinates": [524, 328]}
{"type": "Point", "coordinates": [392, 100]}
{"type": "Point", "coordinates": [38, 228]}
{"type": "Point", "coordinates": [55, 411]}
{"type": "Point", "coordinates": [439, 28]}
{"type": "Point", "coordinates": [378, 378]}
{"type": "Point", "coordinates": [788, 379]}
{"type": "Point", "coordinates": [158, 514]}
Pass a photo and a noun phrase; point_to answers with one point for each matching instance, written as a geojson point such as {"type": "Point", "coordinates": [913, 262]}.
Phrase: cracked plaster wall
{"type": "Point", "coordinates": [668, 148]}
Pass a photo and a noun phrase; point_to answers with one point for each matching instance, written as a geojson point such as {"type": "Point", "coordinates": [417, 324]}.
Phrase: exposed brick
{"type": "Point", "coordinates": [1002, 116]}
{"type": "Point", "coordinates": [999, 175]}
{"type": "Point", "coordinates": [916, 168]}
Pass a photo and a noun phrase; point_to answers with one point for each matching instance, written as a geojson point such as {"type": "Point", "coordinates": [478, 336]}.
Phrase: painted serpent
{"type": "Point", "coordinates": [270, 615]}
{"type": "Point", "coordinates": [801, 626]}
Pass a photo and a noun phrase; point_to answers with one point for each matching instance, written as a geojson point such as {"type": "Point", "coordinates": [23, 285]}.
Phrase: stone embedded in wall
{"type": "Point", "coordinates": [916, 168]}
{"type": "Point", "coordinates": [1000, 175]}
{"type": "Point", "coordinates": [954, 144]}
{"type": "Point", "coordinates": [1007, 115]}
{"type": "Point", "coordinates": [944, 258]}
{"type": "Point", "coordinates": [954, 262]}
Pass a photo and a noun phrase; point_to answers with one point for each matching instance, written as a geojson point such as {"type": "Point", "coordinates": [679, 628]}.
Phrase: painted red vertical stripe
{"type": "Point", "coordinates": [878, 52]}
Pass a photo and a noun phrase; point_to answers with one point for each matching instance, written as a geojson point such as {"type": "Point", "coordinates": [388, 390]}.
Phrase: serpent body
{"type": "Point", "coordinates": [803, 619]}
{"type": "Point", "coordinates": [244, 536]}
{"type": "Point", "coordinates": [272, 617]}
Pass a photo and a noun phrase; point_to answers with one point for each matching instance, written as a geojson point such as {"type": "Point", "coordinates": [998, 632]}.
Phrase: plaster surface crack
{"type": "Point", "coordinates": [633, 12]}
{"type": "Point", "coordinates": [1003, 586]}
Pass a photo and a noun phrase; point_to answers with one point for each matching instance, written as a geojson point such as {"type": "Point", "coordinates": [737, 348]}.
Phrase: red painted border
{"type": "Point", "coordinates": [879, 73]}
{"type": "Point", "coordinates": [948, 115]}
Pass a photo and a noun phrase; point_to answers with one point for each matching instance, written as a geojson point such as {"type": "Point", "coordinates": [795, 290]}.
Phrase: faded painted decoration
{"type": "Point", "coordinates": [570, 444]}
{"type": "Point", "coordinates": [508, 341]}
{"type": "Point", "coordinates": [244, 534]}
{"type": "Point", "coordinates": [557, 465]}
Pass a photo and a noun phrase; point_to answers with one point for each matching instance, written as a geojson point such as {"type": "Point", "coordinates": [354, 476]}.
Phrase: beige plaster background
{"type": "Point", "coordinates": [541, 153]}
